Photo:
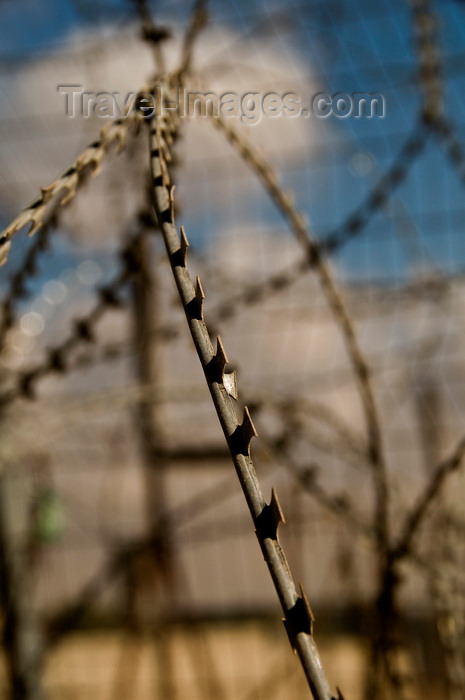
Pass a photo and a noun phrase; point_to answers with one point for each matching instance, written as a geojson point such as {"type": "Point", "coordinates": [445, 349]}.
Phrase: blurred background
{"type": "Point", "coordinates": [129, 565]}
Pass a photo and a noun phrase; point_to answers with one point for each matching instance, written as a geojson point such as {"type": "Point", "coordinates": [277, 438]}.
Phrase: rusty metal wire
{"type": "Point", "coordinates": [223, 388]}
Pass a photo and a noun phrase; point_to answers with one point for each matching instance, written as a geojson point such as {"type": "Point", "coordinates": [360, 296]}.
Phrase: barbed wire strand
{"type": "Point", "coordinates": [223, 389]}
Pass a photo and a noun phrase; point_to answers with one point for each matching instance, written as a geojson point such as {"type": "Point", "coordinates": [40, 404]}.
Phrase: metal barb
{"type": "Point", "coordinates": [228, 379]}
{"type": "Point", "coordinates": [270, 518]}
{"type": "Point", "coordinates": [183, 248]}
{"type": "Point", "coordinates": [242, 436]}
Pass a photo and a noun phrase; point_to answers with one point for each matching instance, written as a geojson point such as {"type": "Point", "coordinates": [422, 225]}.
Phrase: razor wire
{"type": "Point", "coordinates": [223, 388]}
